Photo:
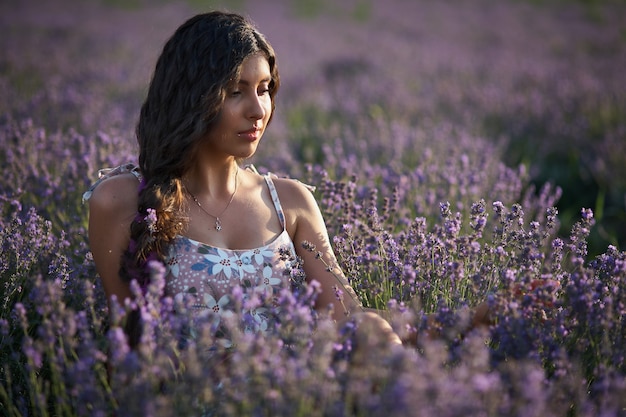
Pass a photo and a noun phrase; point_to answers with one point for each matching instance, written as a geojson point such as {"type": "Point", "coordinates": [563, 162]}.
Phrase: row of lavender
{"type": "Point", "coordinates": [554, 347]}
{"type": "Point", "coordinates": [425, 216]}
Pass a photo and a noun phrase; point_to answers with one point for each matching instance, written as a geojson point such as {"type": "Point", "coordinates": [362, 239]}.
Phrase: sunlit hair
{"type": "Point", "coordinates": [197, 65]}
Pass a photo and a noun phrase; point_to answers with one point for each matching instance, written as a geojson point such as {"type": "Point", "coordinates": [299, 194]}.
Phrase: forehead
{"type": "Point", "coordinates": [255, 68]}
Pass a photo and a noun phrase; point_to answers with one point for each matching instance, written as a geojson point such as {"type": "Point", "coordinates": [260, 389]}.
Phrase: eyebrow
{"type": "Point", "coordinates": [246, 82]}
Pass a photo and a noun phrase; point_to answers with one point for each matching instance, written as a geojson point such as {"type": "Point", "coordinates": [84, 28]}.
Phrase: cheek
{"type": "Point", "coordinates": [268, 109]}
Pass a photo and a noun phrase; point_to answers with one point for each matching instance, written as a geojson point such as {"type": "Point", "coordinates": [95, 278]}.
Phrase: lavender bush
{"type": "Point", "coordinates": [443, 141]}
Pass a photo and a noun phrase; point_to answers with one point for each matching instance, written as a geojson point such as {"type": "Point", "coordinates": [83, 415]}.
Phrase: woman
{"type": "Point", "coordinates": [190, 205]}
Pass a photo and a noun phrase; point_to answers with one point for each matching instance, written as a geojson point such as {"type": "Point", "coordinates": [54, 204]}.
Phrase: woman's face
{"type": "Point", "coordinates": [245, 113]}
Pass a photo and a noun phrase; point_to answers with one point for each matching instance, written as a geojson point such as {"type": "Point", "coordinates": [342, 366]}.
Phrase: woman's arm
{"type": "Point", "coordinates": [112, 208]}
{"type": "Point", "coordinates": [306, 225]}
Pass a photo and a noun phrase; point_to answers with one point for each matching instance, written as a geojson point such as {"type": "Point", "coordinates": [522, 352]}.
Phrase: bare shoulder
{"type": "Point", "coordinates": [294, 195]}
{"type": "Point", "coordinates": [300, 207]}
{"type": "Point", "coordinates": [112, 208]}
{"type": "Point", "coordinates": [116, 195]}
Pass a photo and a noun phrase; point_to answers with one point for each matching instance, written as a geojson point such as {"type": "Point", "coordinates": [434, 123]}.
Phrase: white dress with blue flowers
{"type": "Point", "coordinates": [203, 277]}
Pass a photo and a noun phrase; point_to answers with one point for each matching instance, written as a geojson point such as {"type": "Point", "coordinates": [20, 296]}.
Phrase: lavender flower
{"type": "Point", "coordinates": [151, 220]}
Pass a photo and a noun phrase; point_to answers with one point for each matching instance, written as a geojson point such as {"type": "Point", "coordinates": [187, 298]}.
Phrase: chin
{"type": "Point", "coordinates": [249, 153]}
{"type": "Point", "coordinates": [244, 155]}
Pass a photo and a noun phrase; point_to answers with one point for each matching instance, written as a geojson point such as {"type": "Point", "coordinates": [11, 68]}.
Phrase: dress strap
{"type": "Point", "coordinates": [105, 173]}
{"type": "Point", "coordinates": [275, 200]}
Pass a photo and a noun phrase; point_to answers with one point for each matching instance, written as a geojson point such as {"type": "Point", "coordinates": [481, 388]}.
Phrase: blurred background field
{"type": "Point", "coordinates": [386, 81]}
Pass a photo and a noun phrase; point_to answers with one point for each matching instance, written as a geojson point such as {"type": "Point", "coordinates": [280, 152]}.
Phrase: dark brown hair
{"type": "Point", "coordinates": [183, 103]}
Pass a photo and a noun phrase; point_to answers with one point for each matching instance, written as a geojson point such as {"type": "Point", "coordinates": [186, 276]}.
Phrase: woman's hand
{"type": "Point", "coordinates": [373, 337]}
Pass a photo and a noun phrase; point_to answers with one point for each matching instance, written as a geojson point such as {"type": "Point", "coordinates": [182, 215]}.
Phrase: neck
{"type": "Point", "coordinates": [213, 181]}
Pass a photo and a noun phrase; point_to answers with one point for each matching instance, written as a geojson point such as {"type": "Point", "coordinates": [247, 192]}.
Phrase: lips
{"type": "Point", "coordinates": [250, 134]}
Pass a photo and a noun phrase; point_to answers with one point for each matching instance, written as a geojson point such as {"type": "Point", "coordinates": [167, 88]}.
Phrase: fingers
{"type": "Point", "coordinates": [372, 326]}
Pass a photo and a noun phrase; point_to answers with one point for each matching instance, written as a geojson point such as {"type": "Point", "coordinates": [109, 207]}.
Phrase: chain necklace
{"type": "Point", "coordinates": [218, 222]}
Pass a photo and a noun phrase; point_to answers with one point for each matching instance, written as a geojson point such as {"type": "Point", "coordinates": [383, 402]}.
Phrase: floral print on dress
{"type": "Point", "coordinates": [203, 277]}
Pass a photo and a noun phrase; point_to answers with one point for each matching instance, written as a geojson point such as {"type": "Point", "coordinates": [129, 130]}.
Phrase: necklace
{"type": "Point", "coordinates": [218, 222]}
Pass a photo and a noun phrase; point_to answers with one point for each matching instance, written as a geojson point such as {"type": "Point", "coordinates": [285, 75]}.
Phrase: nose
{"type": "Point", "coordinates": [256, 108]}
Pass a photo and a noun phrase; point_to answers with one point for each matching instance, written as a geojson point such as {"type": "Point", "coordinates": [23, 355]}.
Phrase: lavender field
{"type": "Point", "coordinates": [463, 151]}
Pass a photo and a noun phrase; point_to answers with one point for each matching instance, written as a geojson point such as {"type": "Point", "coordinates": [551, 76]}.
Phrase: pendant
{"type": "Point", "coordinates": [218, 224]}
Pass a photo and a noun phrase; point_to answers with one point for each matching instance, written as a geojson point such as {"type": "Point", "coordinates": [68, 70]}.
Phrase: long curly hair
{"type": "Point", "coordinates": [183, 104]}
